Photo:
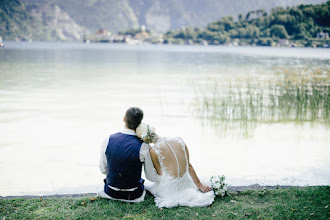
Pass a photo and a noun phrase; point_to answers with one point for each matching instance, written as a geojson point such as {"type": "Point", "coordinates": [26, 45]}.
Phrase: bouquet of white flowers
{"type": "Point", "coordinates": [219, 186]}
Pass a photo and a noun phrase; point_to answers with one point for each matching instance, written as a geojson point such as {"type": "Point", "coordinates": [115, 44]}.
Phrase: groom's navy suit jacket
{"type": "Point", "coordinates": [124, 166]}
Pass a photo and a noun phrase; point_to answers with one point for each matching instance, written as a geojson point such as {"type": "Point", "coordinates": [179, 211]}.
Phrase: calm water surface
{"type": "Point", "coordinates": [58, 101]}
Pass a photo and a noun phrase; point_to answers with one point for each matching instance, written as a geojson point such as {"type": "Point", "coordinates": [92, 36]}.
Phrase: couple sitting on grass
{"type": "Point", "coordinates": [172, 179]}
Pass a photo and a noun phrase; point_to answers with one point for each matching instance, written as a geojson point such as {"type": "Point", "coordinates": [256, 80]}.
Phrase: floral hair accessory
{"type": "Point", "coordinates": [146, 132]}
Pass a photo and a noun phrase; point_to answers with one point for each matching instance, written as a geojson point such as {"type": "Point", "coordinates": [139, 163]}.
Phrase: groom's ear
{"type": "Point", "coordinates": [124, 119]}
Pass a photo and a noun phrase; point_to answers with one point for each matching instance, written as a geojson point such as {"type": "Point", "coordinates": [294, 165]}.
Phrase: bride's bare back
{"type": "Point", "coordinates": [172, 156]}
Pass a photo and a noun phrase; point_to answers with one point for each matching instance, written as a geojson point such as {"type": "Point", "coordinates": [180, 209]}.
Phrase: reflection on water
{"type": "Point", "coordinates": [59, 100]}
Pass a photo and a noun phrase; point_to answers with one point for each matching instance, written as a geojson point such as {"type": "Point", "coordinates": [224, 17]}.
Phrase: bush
{"type": "Point", "coordinates": [267, 41]}
{"type": "Point", "coordinates": [278, 31]}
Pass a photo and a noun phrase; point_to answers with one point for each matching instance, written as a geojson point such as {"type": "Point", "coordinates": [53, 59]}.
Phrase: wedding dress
{"type": "Point", "coordinates": [176, 187]}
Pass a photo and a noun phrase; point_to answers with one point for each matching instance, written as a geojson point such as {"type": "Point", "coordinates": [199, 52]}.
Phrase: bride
{"type": "Point", "coordinates": [176, 182]}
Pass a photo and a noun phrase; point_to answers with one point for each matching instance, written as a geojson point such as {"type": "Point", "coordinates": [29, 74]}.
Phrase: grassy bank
{"type": "Point", "coordinates": [289, 203]}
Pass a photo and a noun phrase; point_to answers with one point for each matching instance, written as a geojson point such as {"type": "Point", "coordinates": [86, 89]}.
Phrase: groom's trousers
{"type": "Point", "coordinates": [124, 194]}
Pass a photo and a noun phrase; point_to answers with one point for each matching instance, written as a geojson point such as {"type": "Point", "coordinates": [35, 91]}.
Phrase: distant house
{"type": "Point", "coordinates": [121, 38]}
{"type": "Point", "coordinates": [242, 43]}
{"type": "Point", "coordinates": [102, 32]}
{"type": "Point", "coordinates": [204, 43]}
{"type": "Point", "coordinates": [189, 42]}
{"type": "Point", "coordinates": [143, 28]}
{"type": "Point", "coordinates": [322, 35]}
{"type": "Point", "coordinates": [235, 42]}
{"type": "Point", "coordinates": [141, 36]}
{"type": "Point", "coordinates": [283, 42]}
{"type": "Point", "coordinates": [101, 35]}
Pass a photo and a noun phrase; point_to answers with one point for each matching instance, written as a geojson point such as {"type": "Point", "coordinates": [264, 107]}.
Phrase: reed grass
{"type": "Point", "coordinates": [286, 96]}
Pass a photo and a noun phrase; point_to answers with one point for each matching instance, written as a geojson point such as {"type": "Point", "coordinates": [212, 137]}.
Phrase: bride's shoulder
{"type": "Point", "coordinates": [180, 140]}
{"type": "Point", "coordinates": [165, 140]}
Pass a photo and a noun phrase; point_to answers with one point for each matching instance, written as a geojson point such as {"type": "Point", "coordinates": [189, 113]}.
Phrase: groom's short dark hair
{"type": "Point", "coordinates": [133, 117]}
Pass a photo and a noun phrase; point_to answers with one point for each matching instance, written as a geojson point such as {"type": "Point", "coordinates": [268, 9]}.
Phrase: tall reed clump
{"type": "Point", "coordinates": [303, 97]}
{"type": "Point", "coordinates": [287, 96]}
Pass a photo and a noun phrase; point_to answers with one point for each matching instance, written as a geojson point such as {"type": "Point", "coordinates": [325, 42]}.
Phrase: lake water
{"type": "Point", "coordinates": [58, 101]}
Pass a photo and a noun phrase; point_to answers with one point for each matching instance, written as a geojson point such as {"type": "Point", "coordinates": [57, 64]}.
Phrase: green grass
{"type": "Point", "coordinates": [289, 203]}
{"type": "Point", "coordinates": [241, 103]}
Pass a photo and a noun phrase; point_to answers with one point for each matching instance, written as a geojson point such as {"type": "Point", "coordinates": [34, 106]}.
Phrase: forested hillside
{"type": "Point", "coordinates": [71, 19]}
{"type": "Point", "coordinates": [159, 15]}
{"type": "Point", "coordinates": [15, 21]}
{"type": "Point", "coordinates": [303, 22]}
{"type": "Point", "coordinates": [37, 22]}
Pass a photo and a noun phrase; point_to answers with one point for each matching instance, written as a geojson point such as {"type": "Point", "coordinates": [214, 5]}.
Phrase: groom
{"type": "Point", "coordinates": [121, 162]}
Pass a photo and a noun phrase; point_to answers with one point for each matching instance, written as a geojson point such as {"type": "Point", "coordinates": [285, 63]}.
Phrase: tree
{"type": "Point", "coordinates": [265, 42]}
{"type": "Point", "coordinates": [298, 14]}
{"type": "Point", "coordinates": [252, 31]}
{"type": "Point", "coordinates": [190, 33]}
{"type": "Point", "coordinates": [227, 23]}
{"type": "Point", "coordinates": [240, 16]}
{"type": "Point", "coordinates": [247, 16]}
{"type": "Point", "coordinates": [322, 14]}
{"type": "Point", "coordinates": [278, 31]}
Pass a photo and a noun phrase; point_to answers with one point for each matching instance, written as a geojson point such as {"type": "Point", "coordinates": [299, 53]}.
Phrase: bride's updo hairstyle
{"type": "Point", "coordinates": [146, 133]}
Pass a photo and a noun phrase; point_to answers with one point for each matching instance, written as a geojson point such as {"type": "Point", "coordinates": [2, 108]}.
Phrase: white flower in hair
{"type": "Point", "coordinates": [145, 132]}
{"type": "Point", "coordinates": [144, 135]}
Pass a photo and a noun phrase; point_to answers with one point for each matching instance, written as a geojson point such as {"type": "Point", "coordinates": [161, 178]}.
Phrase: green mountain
{"type": "Point", "coordinates": [71, 19]}
{"type": "Point", "coordinates": [302, 24]}
{"type": "Point", "coordinates": [112, 15]}
{"type": "Point", "coordinates": [160, 15]}
{"type": "Point", "coordinates": [37, 22]}
{"type": "Point", "coordinates": [15, 21]}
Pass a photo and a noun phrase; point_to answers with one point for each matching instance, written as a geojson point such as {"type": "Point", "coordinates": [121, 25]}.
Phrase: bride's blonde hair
{"type": "Point", "coordinates": [146, 133]}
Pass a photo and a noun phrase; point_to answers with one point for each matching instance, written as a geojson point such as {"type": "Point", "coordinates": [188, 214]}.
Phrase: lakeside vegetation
{"type": "Point", "coordinates": [287, 96]}
{"type": "Point", "coordinates": [289, 203]}
{"type": "Point", "coordinates": [304, 25]}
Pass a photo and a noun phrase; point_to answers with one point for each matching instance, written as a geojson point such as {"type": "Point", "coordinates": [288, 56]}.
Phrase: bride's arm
{"type": "Point", "coordinates": [194, 176]}
{"type": "Point", "coordinates": [155, 161]}
{"type": "Point", "coordinates": [149, 168]}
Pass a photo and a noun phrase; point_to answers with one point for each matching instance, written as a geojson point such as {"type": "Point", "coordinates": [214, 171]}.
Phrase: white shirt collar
{"type": "Point", "coordinates": [128, 131]}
